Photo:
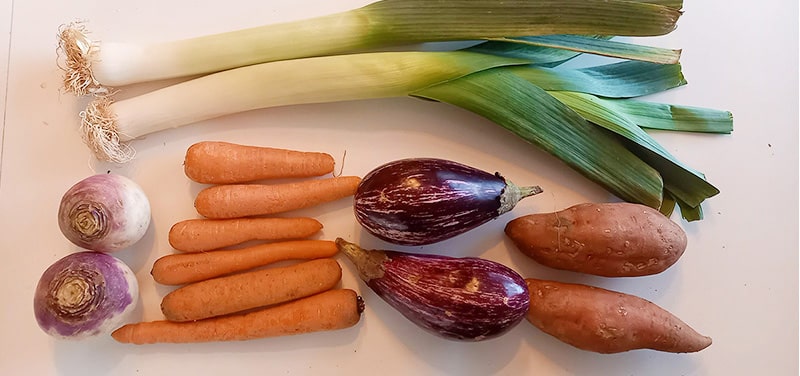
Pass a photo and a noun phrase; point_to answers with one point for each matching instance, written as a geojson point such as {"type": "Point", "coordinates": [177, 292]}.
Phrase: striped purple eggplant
{"type": "Point", "coordinates": [467, 299]}
{"type": "Point", "coordinates": [422, 201]}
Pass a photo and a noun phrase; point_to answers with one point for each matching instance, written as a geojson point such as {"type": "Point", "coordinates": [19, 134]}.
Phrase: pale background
{"type": "Point", "coordinates": [737, 281]}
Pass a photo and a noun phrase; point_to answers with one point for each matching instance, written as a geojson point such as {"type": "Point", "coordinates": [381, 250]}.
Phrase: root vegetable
{"type": "Point", "coordinates": [178, 269]}
{"type": "Point", "coordinates": [198, 235]}
{"type": "Point", "coordinates": [85, 294]}
{"type": "Point", "coordinates": [244, 291]}
{"type": "Point", "coordinates": [610, 239]}
{"type": "Point", "coordinates": [212, 162]}
{"type": "Point", "coordinates": [244, 200]}
{"type": "Point", "coordinates": [330, 310]}
{"type": "Point", "coordinates": [104, 213]}
{"type": "Point", "coordinates": [605, 321]}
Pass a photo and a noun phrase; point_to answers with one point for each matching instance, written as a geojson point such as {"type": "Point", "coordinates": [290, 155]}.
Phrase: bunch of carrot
{"type": "Point", "coordinates": [234, 294]}
{"type": "Point", "coordinates": [230, 167]}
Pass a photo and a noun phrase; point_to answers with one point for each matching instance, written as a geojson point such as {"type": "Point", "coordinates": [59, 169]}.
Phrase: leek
{"type": "Point", "coordinates": [91, 66]}
{"type": "Point", "coordinates": [529, 101]}
{"type": "Point", "coordinates": [584, 117]}
{"type": "Point", "coordinates": [108, 125]}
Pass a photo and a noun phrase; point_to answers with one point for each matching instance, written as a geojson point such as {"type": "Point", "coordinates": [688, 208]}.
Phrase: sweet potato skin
{"type": "Point", "coordinates": [604, 321]}
{"type": "Point", "coordinates": [607, 239]}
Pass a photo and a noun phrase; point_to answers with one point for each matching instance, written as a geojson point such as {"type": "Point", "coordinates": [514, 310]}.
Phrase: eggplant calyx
{"type": "Point", "coordinates": [513, 194]}
{"type": "Point", "coordinates": [368, 262]}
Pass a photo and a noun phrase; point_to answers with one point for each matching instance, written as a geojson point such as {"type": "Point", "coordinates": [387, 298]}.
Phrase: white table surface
{"type": "Point", "coordinates": [737, 281]}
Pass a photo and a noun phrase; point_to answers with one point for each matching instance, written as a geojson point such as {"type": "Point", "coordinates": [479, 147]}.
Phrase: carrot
{"type": "Point", "coordinates": [258, 288]}
{"type": "Point", "coordinates": [329, 310]}
{"type": "Point", "coordinates": [197, 235]}
{"type": "Point", "coordinates": [242, 200]}
{"type": "Point", "coordinates": [212, 162]}
{"type": "Point", "coordinates": [177, 269]}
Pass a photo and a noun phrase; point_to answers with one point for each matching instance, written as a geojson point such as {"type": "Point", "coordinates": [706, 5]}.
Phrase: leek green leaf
{"type": "Point", "coordinates": [674, 117]}
{"type": "Point", "coordinates": [538, 55]}
{"type": "Point", "coordinates": [683, 182]}
{"type": "Point", "coordinates": [667, 204]}
{"type": "Point", "coordinates": [690, 213]}
{"type": "Point", "coordinates": [601, 47]}
{"type": "Point", "coordinates": [537, 117]}
{"type": "Point", "coordinates": [619, 80]}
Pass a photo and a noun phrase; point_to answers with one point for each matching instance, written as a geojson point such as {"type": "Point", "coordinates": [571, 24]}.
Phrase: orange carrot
{"type": "Point", "coordinates": [258, 288]}
{"type": "Point", "coordinates": [197, 235]}
{"type": "Point", "coordinates": [212, 162]}
{"type": "Point", "coordinates": [178, 269]}
{"type": "Point", "coordinates": [242, 200]}
{"type": "Point", "coordinates": [330, 310]}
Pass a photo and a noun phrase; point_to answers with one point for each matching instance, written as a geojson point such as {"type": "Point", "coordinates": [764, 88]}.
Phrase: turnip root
{"type": "Point", "coordinates": [611, 240]}
{"type": "Point", "coordinates": [604, 321]}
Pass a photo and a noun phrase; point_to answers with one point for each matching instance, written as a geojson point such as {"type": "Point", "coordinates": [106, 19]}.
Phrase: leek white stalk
{"type": "Point", "coordinates": [108, 125]}
{"type": "Point", "coordinates": [91, 67]}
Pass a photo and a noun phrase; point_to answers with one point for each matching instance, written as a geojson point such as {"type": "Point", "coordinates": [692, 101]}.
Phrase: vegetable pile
{"type": "Point", "coordinates": [513, 73]}
{"type": "Point", "coordinates": [457, 298]}
{"type": "Point", "coordinates": [228, 288]}
{"type": "Point", "coordinates": [513, 76]}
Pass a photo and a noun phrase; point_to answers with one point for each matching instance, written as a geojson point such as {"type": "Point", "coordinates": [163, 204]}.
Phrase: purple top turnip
{"type": "Point", "coordinates": [85, 294]}
{"type": "Point", "coordinates": [104, 213]}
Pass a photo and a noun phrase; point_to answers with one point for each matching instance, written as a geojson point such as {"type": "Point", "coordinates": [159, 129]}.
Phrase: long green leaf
{"type": "Point", "coordinates": [690, 213]}
{"type": "Point", "coordinates": [538, 55]}
{"type": "Point", "coordinates": [537, 117]}
{"type": "Point", "coordinates": [667, 204]}
{"type": "Point", "coordinates": [675, 117]}
{"type": "Point", "coordinates": [601, 47]}
{"type": "Point", "coordinates": [619, 80]}
{"type": "Point", "coordinates": [686, 184]}
{"type": "Point", "coordinates": [687, 212]}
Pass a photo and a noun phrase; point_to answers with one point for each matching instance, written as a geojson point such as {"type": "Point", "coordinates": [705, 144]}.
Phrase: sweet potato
{"type": "Point", "coordinates": [610, 240]}
{"type": "Point", "coordinates": [605, 321]}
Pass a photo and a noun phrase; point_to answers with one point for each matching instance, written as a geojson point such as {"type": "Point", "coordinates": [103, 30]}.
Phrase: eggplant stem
{"type": "Point", "coordinates": [513, 194]}
{"type": "Point", "coordinates": [530, 191]}
{"type": "Point", "coordinates": [368, 262]}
